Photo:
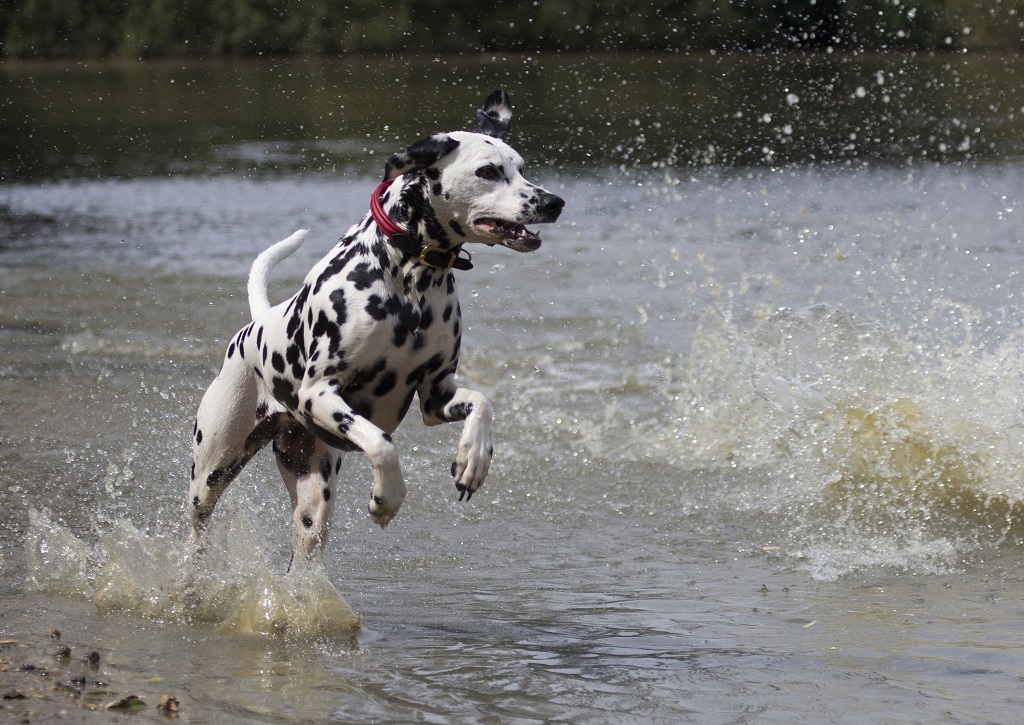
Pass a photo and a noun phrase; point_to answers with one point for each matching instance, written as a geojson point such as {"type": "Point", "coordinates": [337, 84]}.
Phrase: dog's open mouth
{"type": "Point", "coordinates": [510, 234]}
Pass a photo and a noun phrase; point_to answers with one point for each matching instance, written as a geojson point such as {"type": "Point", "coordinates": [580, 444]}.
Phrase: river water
{"type": "Point", "coordinates": [759, 397]}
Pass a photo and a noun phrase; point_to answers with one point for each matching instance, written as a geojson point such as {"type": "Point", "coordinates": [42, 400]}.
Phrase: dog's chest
{"type": "Point", "coordinates": [381, 334]}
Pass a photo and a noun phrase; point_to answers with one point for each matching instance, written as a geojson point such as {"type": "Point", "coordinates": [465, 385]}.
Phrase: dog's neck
{"type": "Point", "coordinates": [409, 223]}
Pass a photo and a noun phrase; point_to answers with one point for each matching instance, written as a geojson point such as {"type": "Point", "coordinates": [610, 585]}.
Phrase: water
{"type": "Point", "coordinates": [758, 417]}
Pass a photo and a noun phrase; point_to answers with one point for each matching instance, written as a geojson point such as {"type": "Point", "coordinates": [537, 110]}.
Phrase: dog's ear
{"type": "Point", "coordinates": [495, 118]}
{"type": "Point", "coordinates": [425, 152]}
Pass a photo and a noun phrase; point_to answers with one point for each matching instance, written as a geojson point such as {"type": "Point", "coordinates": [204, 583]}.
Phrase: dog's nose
{"type": "Point", "coordinates": [552, 205]}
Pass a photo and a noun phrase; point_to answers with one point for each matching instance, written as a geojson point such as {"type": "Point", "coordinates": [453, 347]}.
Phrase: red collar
{"type": "Point", "coordinates": [403, 240]}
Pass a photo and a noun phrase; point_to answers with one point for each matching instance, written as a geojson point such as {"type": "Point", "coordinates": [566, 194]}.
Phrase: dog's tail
{"type": "Point", "coordinates": [269, 258]}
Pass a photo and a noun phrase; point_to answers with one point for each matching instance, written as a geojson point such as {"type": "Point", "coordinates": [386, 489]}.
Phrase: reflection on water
{"type": "Point", "coordinates": [758, 417]}
{"type": "Point", "coordinates": [574, 112]}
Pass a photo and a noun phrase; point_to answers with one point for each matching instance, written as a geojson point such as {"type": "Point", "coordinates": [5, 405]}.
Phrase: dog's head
{"type": "Point", "coordinates": [474, 183]}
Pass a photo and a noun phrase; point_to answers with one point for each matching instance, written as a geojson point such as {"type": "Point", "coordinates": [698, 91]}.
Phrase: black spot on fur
{"type": "Point", "coordinates": [277, 360]}
{"type": "Point", "coordinates": [327, 494]}
{"type": "Point", "coordinates": [284, 391]}
{"type": "Point", "coordinates": [363, 276]}
{"type": "Point", "coordinates": [261, 409]}
{"type": "Point", "coordinates": [325, 327]}
{"type": "Point", "coordinates": [344, 422]}
{"type": "Point", "coordinates": [295, 309]}
{"type": "Point", "coordinates": [426, 319]}
{"type": "Point", "coordinates": [307, 521]}
{"type": "Point", "coordinates": [438, 399]}
{"type": "Point", "coordinates": [379, 309]}
{"type": "Point", "coordinates": [340, 306]}
{"type": "Point", "coordinates": [325, 467]}
{"type": "Point", "coordinates": [457, 228]}
{"type": "Point", "coordinates": [231, 350]}
{"type": "Point", "coordinates": [420, 373]}
{"type": "Point", "coordinates": [199, 437]}
{"type": "Point", "coordinates": [331, 370]}
{"type": "Point", "coordinates": [385, 384]}
{"type": "Point", "coordinates": [294, 358]}
{"type": "Point", "coordinates": [349, 249]}
{"type": "Point", "coordinates": [362, 377]}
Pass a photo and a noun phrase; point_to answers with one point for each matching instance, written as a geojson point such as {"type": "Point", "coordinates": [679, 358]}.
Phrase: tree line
{"type": "Point", "coordinates": [202, 28]}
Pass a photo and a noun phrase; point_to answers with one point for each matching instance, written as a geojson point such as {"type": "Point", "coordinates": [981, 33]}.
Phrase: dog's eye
{"type": "Point", "coordinates": [489, 172]}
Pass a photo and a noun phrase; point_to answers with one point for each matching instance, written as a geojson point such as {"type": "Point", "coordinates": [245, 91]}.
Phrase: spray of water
{"type": "Point", "coordinates": [857, 446]}
{"type": "Point", "coordinates": [233, 585]}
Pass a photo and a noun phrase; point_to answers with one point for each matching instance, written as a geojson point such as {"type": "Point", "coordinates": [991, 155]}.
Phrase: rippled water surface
{"type": "Point", "coordinates": [759, 428]}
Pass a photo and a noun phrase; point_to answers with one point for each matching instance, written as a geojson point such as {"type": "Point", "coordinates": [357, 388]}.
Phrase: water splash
{"type": "Point", "coordinates": [231, 585]}
{"type": "Point", "coordinates": [858, 446]}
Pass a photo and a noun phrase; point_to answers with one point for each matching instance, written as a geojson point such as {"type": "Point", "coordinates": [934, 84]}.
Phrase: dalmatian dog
{"type": "Point", "coordinates": [375, 324]}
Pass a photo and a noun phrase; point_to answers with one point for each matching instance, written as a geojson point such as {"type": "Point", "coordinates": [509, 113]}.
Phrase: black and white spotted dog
{"type": "Point", "coordinates": [375, 324]}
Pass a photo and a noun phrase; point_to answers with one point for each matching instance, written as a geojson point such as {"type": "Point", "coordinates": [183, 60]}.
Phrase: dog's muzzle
{"type": "Point", "coordinates": [515, 235]}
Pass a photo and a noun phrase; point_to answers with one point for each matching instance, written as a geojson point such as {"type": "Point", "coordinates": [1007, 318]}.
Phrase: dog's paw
{"type": "Point", "coordinates": [471, 465]}
{"type": "Point", "coordinates": [382, 510]}
{"type": "Point", "coordinates": [386, 499]}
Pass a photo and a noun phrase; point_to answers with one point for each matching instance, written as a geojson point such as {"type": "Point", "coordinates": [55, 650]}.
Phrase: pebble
{"type": "Point", "coordinates": [168, 703]}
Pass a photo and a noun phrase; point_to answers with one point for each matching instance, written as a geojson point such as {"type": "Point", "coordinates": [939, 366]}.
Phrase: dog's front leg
{"type": "Point", "coordinates": [473, 459]}
{"type": "Point", "coordinates": [327, 414]}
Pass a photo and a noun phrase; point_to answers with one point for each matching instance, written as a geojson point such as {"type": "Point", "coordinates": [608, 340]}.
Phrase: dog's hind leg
{"type": "Point", "coordinates": [232, 425]}
{"type": "Point", "coordinates": [309, 468]}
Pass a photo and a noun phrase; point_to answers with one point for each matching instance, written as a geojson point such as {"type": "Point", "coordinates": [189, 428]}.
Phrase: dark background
{"type": "Point", "coordinates": [199, 28]}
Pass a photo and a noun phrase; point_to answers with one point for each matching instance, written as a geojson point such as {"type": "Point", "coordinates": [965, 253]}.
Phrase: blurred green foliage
{"type": "Point", "coordinates": [158, 28]}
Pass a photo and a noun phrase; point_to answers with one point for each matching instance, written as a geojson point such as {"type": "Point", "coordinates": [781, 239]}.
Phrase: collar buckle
{"type": "Point", "coordinates": [437, 258]}
{"type": "Point", "coordinates": [445, 259]}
